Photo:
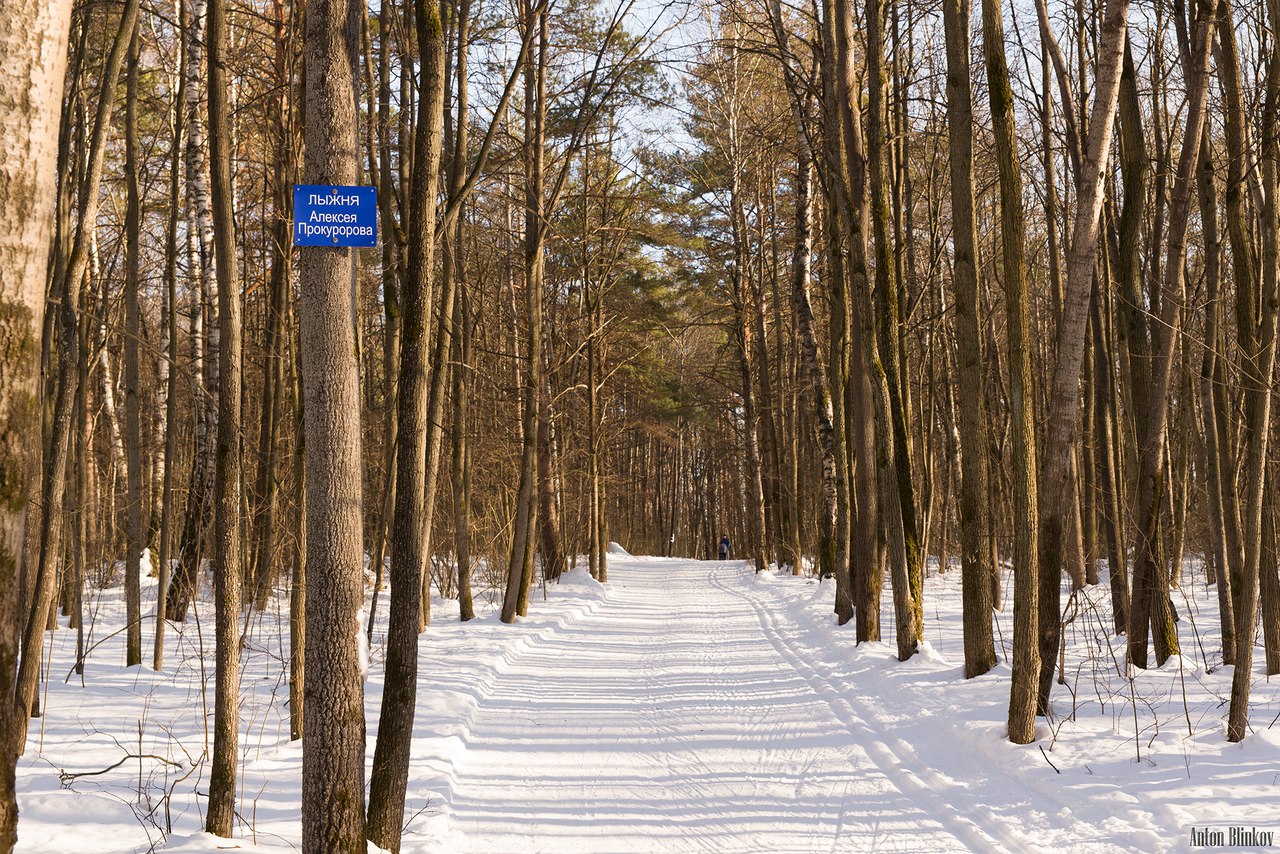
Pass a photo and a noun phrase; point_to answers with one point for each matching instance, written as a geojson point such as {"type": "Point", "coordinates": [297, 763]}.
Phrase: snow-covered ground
{"type": "Point", "coordinates": [688, 706]}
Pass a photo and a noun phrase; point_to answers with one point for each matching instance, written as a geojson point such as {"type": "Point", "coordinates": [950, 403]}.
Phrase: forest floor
{"type": "Point", "coordinates": [687, 706]}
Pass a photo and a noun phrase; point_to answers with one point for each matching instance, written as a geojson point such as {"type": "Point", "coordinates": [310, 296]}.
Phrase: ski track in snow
{"type": "Point", "coordinates": [679, 718]}
{"type": "Point", "coordinates": [967, 809]}
{"type": "Point", "coordinates": [687, 706]}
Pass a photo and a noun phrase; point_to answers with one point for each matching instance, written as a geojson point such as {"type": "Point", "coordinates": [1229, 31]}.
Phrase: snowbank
{"type": "Point", "coordinates": [1140, 761]}
{"type": "Point", "coordinates": [68, 803]}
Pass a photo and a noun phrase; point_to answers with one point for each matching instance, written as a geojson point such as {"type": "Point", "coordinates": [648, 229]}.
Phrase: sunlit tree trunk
{"type": "Point", "coordinates": [333, 749]}
{"type": "Point", "coordinates": [33, 56]}
{"type": "Point", "coordinates": [201, 272]}
{"type": "Point", "coordinates": [410, 557]}
{"type": "Point", "coordinates": [1056, 495]}
{"type": "Point", "coordinates": [1022, 465]}
{"type": "Point", "coordinates": [974, 513]}
{"type": "Point", "coordinates": [1244, 254]}
{"type": "Point", "coordinates": [909, 604]}
{"type": "Point", "coordinates": [227, 488]}
{"type": "Point", "coordinates": [267, 492]}
{"type": "Point", "coordinates": [69, 359]}
{"type": "Point", "coordinates": [741, 335]}
{"type": "Point", "coordinates": [520, 566]}
{"type": "Point", "coordinates": [871, 397]}
{"type": "Point", "coordinates": [170, 360]}
{"type": "Point", "coordinates": [1257, 334]}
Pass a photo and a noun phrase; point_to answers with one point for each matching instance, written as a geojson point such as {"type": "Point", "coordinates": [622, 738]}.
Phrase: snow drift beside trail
{"type": "Point", "coordinates": [578, 577]}
{"type": "Point", "coordinates": [617, 549]}
{"type": "Point", "coordinates": [1134, 763]}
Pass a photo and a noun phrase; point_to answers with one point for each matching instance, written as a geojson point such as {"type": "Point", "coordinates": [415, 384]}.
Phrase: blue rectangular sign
{"type": "Point", "coordinates": [324, 215]}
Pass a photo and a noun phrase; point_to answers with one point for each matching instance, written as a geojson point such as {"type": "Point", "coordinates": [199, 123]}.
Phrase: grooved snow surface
{"type": "Point", "coordinates": [683, 718]}
{"type": "Point", "coordinates": [691, 706]}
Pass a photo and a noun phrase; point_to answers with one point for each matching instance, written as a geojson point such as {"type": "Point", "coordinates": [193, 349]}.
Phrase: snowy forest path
{"type": "Point", "coordinates": [675, 718]}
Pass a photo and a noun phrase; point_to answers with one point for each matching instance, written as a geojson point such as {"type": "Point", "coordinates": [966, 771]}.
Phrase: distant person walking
{"type": "Point", "coordinates": [724, 547]}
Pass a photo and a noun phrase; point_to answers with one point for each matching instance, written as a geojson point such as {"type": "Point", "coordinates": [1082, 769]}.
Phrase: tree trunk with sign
{"type": "Point", "coordinates": [334, 748]}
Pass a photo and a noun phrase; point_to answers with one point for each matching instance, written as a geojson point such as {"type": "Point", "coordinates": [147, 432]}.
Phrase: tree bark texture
{"type": "Point", "coordinates": [333, 746]}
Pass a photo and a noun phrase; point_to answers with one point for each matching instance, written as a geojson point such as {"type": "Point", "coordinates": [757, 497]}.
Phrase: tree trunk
{"type": "Point", "coordinates": [410, 557]}
{"type": "Point", "coordinates": [1245, 273]}
{"type": "Point", "coordinates": [975, 516]}
{"type": "Point", "coordinates": [202, 270]}
{"type": "Point", "coordinates": [33, 38]}
{"type": "Point", "coordinates": [889, 331]}
{"type": "Point", "coordinates": [1055, 493]}
{"type": "Point", "coordinates": [597, 548]}
{"type": "Point", "coordinates": [70, 355]}
{"type": "Point", "coordinates": [1150, 603]}
{"type": "Point", "coordinates": [461, 352]}
{"type": "Point", "coordinates": [771, 479]}
{"type": "Point", "coordinates": [136, 528]}
{"type": "Point", "coordinates": [171, 358]}
{"type": "Point", "coordinates": [393, 261]}
{"type": "Point", "coordinates": [1269, 584]}
{"type": "Point", "coordinates": [267, 492]}
{"type": "Point", "coordinates": [333, 751]}
{"type": "Point", "coordinates": [461, 449]}
{"type": "Point", "coordinates": [298, 582]}
{"type": "Point", "coordinates": [1106, 436]}
{"type": "Point", "coordinates": [521, 562]}
{"type": "Point", "coordinates": [600, 523]}
{"type": "Point", "coordinates": [227, 490]}
{"type": "Point", "coordinates": [873, 439]}
{"type": "Point", "coordinates": [553, 558]}
{"type": "Point", "coordinates": [1257, 339]}
{"type": "Point", "coordinates": [1026, 654]}
{"type": "Point", "coordinates": [819, 386]}
{"type": "Point", "coordinates": [741, 335]}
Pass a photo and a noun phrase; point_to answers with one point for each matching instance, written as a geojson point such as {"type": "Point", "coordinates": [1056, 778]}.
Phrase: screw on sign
{"type": "Point", "coordinates": [325, 215]}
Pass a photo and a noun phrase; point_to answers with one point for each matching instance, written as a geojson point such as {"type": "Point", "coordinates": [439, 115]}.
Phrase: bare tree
{"type": "Point", "coordinates": [136, 530]}
{"type": "Point", "coordinates": [1026, 655]}
{"type": "Point", "coordinates": [1055, 490]}
{"type": "Point", "coordinates": [975, 515]}
{"type": "Point", "coordinates": [333, 751]}
{"type": "Point", "coordinates": [1150, 603]}
{"type": "Point", "coordinates": [1257, 316]}
{"type": "Point", "coordinates": [227, 568]}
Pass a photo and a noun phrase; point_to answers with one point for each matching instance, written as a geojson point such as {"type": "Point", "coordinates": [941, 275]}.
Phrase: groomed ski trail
{"type": "Point", "coordinates": [676, 718]}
